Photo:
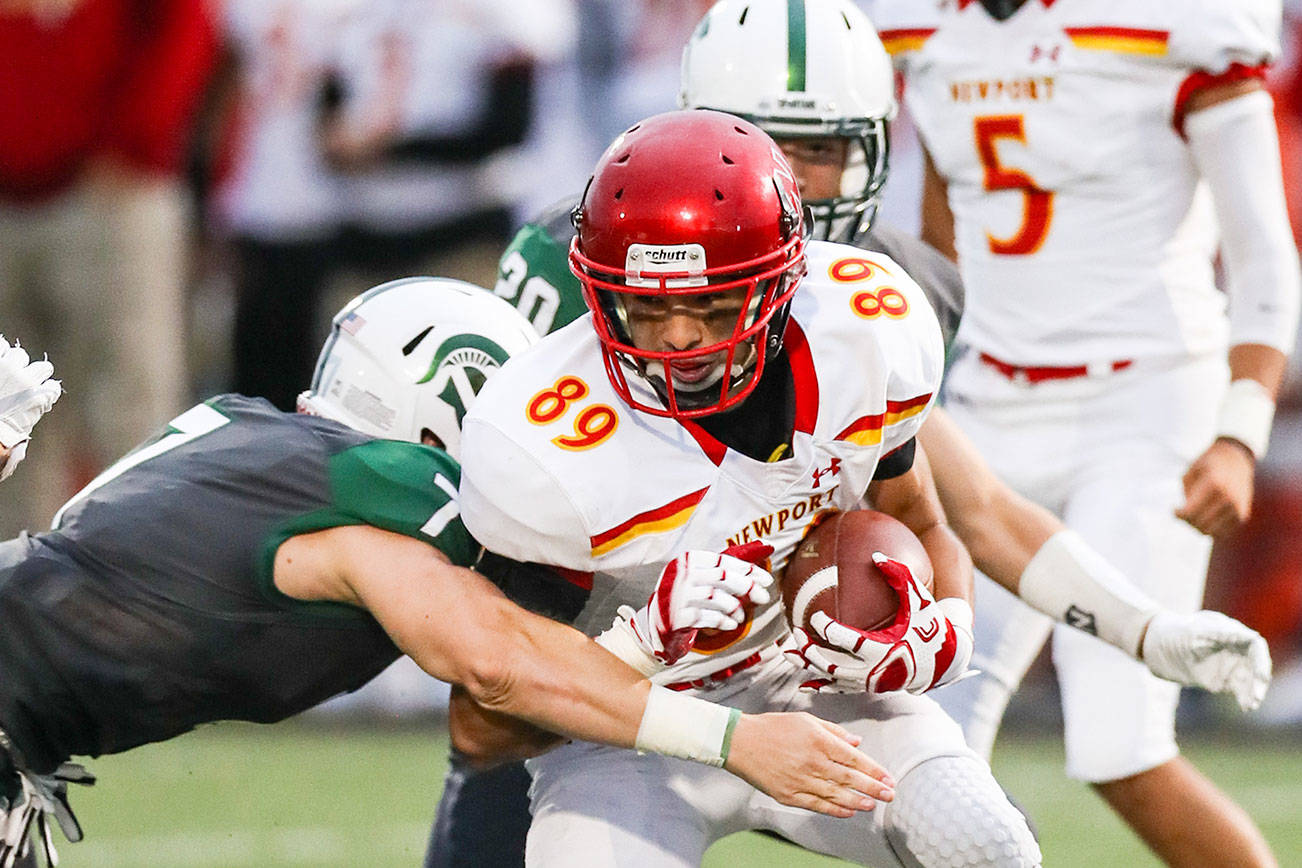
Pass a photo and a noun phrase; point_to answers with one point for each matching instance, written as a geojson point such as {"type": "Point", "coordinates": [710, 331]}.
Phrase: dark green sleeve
{"type": "Point", "coordinates": [404, 488]}
{"type": "Point", "coordinates": [396, 486]}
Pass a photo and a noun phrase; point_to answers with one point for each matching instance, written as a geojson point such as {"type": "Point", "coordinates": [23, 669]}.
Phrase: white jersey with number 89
{"type": "Point", "coordinates": [557, 470]}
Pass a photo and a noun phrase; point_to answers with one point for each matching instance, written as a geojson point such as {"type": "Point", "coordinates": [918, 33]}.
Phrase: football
{"type": "Point", "coordinates": [832, 569]}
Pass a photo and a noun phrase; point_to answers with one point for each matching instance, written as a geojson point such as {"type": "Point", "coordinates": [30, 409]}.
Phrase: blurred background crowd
{"type": "Point", "coordinates": [190, 188]}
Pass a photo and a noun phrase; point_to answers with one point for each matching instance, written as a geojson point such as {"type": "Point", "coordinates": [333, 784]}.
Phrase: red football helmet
{"type": "Point", "coordinates": [684, 208]}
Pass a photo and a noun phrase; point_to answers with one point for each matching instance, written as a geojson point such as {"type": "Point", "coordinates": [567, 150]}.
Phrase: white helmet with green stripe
{"type": "Point", "coordinates": [407, 357]}
{"type": "Point", "coordinates": [801, 69]}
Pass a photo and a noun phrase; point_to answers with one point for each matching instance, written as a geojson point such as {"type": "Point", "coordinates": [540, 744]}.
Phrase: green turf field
{"type": "Point", "coordinates": [313, 795]}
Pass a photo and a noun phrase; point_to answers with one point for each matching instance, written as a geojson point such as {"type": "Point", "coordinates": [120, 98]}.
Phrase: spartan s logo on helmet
{"type": "Point", "coordinates": [407, 358]}
{"type": "Point", "coordinates": [801, 69]}
{"type": "Point", "coordinates": [462, 364]}
{"type": "Point", "coordinates": [689, 203]}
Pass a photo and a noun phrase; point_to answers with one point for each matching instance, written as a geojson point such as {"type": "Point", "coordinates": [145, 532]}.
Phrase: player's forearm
{"type": "Point", "coordinates": [1259, 362]}
{"type": "Point", "coordinates": [487, 738]}
{"type": "Point", "coordinates": [560, 680]}
{"type": "Point", "coordinates": [1001, 529]}
{"type": "Point", "coordinates": [950, 561]}
{"type": "Point", "coordinates": [555, 677]}
{"type": "Point", "coordinates": [937, 218]}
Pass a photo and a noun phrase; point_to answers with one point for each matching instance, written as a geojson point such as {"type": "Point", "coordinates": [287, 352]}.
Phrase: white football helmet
{"type": "Point", "coordinates": [409, 356]}
{"type": "Point", "coordinates": [801, 68]}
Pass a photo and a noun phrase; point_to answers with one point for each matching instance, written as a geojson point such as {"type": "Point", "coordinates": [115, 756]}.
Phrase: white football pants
{"type": "Point", "coordinates": [600, 806]}
{"type": "Point", "coordinates": [1106, 454]}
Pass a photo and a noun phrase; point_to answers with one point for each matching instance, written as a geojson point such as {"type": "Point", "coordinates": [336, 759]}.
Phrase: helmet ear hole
{"type": "Point", "coordinates": [429, 438]}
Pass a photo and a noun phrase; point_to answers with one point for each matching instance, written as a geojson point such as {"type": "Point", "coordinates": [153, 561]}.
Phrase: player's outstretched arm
{"type": "Point", "coordinates": [1031, 553]}
{"type": "Point", "coordinates": [806, 762]}
{"type": "Point", "coordinates": [1232, 138]}
{"type": "Point", "coordinates": [458, 627]}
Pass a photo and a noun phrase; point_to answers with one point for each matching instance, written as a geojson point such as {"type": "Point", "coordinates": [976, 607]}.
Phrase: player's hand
{"type": "Point", "coordinates": [700, 590]}
{"type": "Point", "coordinates": [1209, 650]}
{"type": "Point", "coordinates": [929, 643]}
{"type": "Point", "coordinates": [1218, 489]}
{"type": "Point", "coordinates": [27, 804]}
{"type": "Point", "coordinates": [808, 763]}
{"type": "Point", "coordinates": [26, 393]}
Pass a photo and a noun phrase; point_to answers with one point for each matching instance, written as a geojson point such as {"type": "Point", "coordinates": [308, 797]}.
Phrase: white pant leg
{"type": "Point", "coordinates": [595, 806]}
{"type": "Point", "coordinates": [1008, 636]}
{"type": "Point", "coordinates": [1120, 719]}
{"type": "Point", "coordinates": [928, 823]}
{"type": "Point", "coordinates": [1025, 448]}
{"type": "Point", "coordinates": [1107, 456]}
{"type": "Point", "coordinates": [598, 806]}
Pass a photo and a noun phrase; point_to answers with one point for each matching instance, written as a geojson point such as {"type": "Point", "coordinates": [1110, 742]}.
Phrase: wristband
{"type": "Point", "coordinates": [621, 641]}
{"type": "Point", "coordinates": [1246, 413]}
{"type": "Point", "coordinates": [677, 725]}
{"type": "Point", "coordinates": [1070, 582]}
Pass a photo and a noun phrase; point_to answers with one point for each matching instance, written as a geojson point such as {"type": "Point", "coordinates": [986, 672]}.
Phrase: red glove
{"type": "Point", "coordinates": [930, 645]}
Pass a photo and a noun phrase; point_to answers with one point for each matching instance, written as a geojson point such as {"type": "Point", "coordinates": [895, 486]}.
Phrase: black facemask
{"type": "Point", "coordinates": [1002, 10]}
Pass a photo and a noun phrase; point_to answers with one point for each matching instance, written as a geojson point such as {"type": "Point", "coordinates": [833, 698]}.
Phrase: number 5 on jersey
{"type": "Point", "coordinates": [592, 426]}
{"type": "Point", "coordinates": [1037, 203]}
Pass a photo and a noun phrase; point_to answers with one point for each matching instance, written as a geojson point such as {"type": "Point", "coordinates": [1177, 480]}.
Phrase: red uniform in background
{"type": "Point", "coordinates": [97, 100]}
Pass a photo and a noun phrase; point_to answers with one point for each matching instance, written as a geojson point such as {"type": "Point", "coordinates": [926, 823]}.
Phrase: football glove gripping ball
{"type": "Point", "coordinates": [929, 646]}
{"type": "Point", "coordinates": [700, 590]}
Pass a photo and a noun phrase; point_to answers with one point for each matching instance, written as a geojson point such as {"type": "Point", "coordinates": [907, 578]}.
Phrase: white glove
{"type": "Point", "coordinates": [26, 393]}
{"type": "Point", "coordinates": [929, 644]}
{"type": "Point", "coordinates": [1209, 650]}
{"type": "Point", "coordinates": [699, 590]}
{"type": "Point", "coordinates": [27, 804]}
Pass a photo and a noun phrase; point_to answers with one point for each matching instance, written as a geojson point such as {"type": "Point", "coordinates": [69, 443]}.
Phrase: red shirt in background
{"type": "Point", "coordinates": [108, 78]}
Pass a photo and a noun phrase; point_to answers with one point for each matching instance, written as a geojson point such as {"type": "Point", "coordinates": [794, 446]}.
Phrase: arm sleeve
{"type": "Point", "coordinates": [1236, 148]}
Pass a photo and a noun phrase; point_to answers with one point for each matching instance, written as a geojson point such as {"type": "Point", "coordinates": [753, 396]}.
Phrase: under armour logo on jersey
{"type": "Point", "coordinates": [834, 468]}
{"type": "Point", "coordinates": [1081, 620]}
{"type": "Point", "coordinates": [1049, 54]}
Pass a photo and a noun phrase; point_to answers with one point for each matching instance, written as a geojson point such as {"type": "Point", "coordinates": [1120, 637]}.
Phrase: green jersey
{"type": "Point", "coordinates": [150, 607]}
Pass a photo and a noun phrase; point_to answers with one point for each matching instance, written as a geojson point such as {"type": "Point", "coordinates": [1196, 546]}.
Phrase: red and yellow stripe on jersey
{"type": "Point", "coordinates": [867, 430]}
{"type": "Point", "coordinates": [672, 515]}
{"type": "Point", "coordinates": [1123, 40]}
{"type": "Point", "coordinates": [907, 39]}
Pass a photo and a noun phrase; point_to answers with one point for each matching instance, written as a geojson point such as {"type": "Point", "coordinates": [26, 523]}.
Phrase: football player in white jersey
{"type": "Point", "coordinates": [830, 122]}
{"type": "Point", "coordinates": [1086, 159]}
{"type": "Point", "coordinates": [718, 396]}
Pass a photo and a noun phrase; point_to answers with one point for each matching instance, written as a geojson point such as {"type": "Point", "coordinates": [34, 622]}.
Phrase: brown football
{"type": "Point", "coordinates": [856, 591]}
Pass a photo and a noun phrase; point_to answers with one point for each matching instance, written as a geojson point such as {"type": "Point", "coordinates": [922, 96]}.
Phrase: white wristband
{"type": "Point", "coordinates": [1246, 414]}
{"type": "Point", "coordinates": [674, 724]}
{"type": "Point", "coordinates": [1072, 583]}
{"type": "Point", "coordinates": [621, 641]}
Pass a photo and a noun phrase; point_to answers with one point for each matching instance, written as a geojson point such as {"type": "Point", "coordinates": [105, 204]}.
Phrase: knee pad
{"type": "Point", "coordinates": [949, 812]}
